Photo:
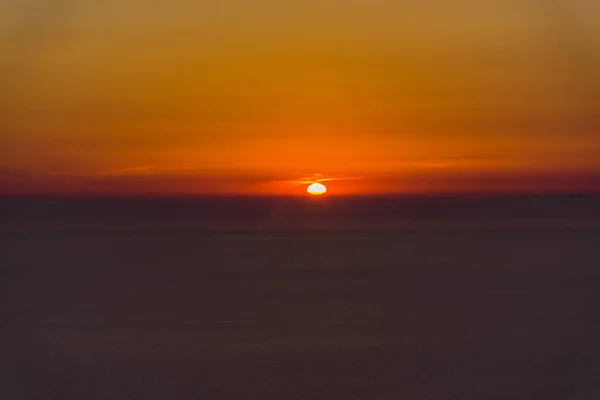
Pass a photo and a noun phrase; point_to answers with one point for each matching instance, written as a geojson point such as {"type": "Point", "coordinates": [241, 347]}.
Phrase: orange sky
{"type": "Point", "coordinates": [244, 96]}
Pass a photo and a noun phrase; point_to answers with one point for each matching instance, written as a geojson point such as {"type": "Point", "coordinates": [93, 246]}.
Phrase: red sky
{"type": "Point", "coordinates": [244, 97]}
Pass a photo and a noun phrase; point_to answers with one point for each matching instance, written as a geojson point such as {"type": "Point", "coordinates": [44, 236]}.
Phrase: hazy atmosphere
{"type": "Point", "coordinates": [299, 200]}
{"type": "Point", "coordinates": [230, 96]}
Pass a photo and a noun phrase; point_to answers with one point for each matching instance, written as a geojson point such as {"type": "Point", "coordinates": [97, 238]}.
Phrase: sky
{"type": "Point", "coordinates": [256, 96]}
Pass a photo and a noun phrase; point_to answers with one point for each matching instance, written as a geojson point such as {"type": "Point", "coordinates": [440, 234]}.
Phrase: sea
{"type": "Point", "coordinates": [398, 298]}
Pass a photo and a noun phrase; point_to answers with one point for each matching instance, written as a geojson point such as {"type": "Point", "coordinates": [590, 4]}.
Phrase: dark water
{"type": "Point", "coordinates": [280, 299]}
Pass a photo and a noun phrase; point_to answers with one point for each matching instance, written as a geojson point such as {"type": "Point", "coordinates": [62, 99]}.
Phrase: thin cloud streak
{"type": "Point", "coordinates": [309, 180]}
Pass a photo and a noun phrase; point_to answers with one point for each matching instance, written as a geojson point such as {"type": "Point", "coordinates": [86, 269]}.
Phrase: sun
{"type": "Point", "coordinates": [316, 189]}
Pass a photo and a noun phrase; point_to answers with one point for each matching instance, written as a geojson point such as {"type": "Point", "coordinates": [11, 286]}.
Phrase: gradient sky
{"type": "Point", "coordinates": [236, 96]}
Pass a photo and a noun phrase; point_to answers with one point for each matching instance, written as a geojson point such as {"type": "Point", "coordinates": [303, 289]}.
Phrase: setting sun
{"type": "Point", "coordinates": [316, 189]}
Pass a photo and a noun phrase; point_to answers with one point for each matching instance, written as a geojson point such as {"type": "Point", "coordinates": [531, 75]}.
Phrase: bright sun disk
{"type": "Point", "coordinates": [316, 189]}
